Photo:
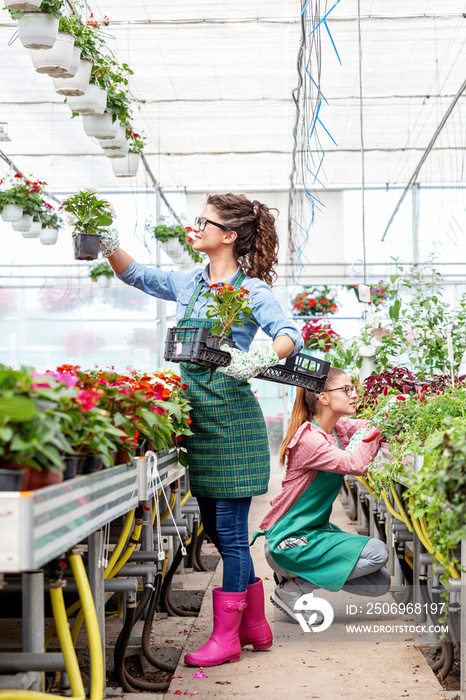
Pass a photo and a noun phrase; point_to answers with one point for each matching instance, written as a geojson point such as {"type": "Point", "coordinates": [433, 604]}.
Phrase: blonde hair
{"type": "Point", "coordinates": [305, 407]}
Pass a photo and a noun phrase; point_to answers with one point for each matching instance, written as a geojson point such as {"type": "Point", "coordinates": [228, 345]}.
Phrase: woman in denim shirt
{"type": "Point", "coordinates": [228, 452]}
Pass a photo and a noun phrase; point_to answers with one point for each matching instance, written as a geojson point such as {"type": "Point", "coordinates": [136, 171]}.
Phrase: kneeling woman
{"type": "Point", "coordinates": [302, 545]}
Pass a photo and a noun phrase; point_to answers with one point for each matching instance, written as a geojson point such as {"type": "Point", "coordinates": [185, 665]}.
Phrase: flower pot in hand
{"type": "Point", "coordinates": [127, 166]}
{"type": "Point", "coordinates": [12, 212]}
{"type": "Point", "coordinates": [37, 30]}
{"type": "Point", "coordinates": [93, 102]}
{"type": "Point", "coordinates": [78, 84]}
{"type": "Point", "coordinates": [86, 246]}
{"type": "Point", "coordinates": [56, 60]}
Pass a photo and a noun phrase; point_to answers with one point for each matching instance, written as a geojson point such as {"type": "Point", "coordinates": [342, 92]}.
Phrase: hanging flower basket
{"type": "Point", "coordinates": [117, 142]}
{"type": "Point", "coordinates": [37, 30]}
{"type": "Point", "coordinates": [86, 246]}
{"type": "Point", "coordinates": [315, 301]}
{"type": "Point", "coordinates": [74, 65]}
{"type": "Point", "coordinates": [173, 248]}
{"type": "Point", "coordinates": [127, 166]}
{"type": "Point", "coordinates": [93, 102]}
{"type": "Point", "coordinates": [117, 152]}
{"type": "Point", "coordinates": [72, 87]}
{"type": "Point", "coordinates": [24, 224]}
{"type": "Point", "coordinates": [104, 281]}
{"type": "Point", "coordinates": [101, 127]}
{"type": "Point", "coordinates": [23, 5]}
{"type": "Point", "coordinates": [57, 60]}
{"type": "Point", "coordinates": [12, 212]}
{"type": "Point", "coordinates": [48, 236]}
{"type": "Point", "coordinates": [34, 231]}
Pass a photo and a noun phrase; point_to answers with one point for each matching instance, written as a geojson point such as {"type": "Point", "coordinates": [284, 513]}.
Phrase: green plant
{"type": "Point", "coordinates": [380, 292]}
{"type": "Point", "coordinates": [229, 307]}
{"type": "Point", "coordinates": [102, 268]}
{"type": "Point", "coordinates": [24, 193]}
{"type": "Point", "coordinates": [51, 7]}
{"type": "Point", "coordinates": [108, 73]}
{"type": "Point", "coordinates": [88, 213]}
{"type": "Point", "coordinates": [88, 38]}
{"type": "Point", "coordinates": [315, 301]}
{"type": "Point", "coordinates": [119, 106]}
{"type": "Point", "coordinates": [51, 219]}
{"type": "Point", "coordinates": [165, 232]}
{"type": "Point", "coordinates": [136, 141]}
{"type": "Point", "coordinates": [420, 324]}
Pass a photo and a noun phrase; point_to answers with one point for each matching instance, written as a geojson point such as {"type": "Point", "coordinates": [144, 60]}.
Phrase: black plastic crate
{"type": "Point", "coordinates": [194, 344]}
{"type": "Point", "coordinates": [300, 370]}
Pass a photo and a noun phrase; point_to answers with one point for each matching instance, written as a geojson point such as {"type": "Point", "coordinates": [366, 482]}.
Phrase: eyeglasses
{"type": "Point", "coordinates": [200, 223]}
{"type": "Point", "coordinates": [349, 390]}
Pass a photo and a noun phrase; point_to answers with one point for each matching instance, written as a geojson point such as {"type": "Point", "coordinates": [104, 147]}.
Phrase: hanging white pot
{"type": "Point", "coordinates": [23, 5]}
{"type": "Point", "coordinates": [185, 262]}
{"type": "Point", "coordinates": [74, 65]}
{"type": "Point", "coordinates": [117, 152]}
{"type": "Point", "coordinates": [72, 87]}
{"type": "Point", "coordinates": [12, 212]}
{"type": "Point", "coordinates": [93, 102]}
{"type": "Point", "coordinates": [103, 281]}
{"type": "Point", "coordinates": [173, 248]}
{"type": "Point", "coordinates": [127, 166]}
{"type": "Point", "coordinates": [37, 30]}
{"type": "Point", "coordinates": [34, 231]}
{"type": "Point", "coordinates": [24, 224]}
{"type": "Point", "coordinates": [117, 142]}
{"type": "Point", "coordinates": [101, 126]}
{"type": "Point", "coordinates": [48, 236]}
{"type": "Point", "coordinates": [57, 60]}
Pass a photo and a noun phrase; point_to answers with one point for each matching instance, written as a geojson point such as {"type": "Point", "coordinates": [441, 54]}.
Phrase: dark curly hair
{"type": "Point", "coordinates": [256, 245]}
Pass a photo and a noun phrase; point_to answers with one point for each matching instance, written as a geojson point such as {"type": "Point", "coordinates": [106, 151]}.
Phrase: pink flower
{"type": "Point", "coordinates": [88, 398]}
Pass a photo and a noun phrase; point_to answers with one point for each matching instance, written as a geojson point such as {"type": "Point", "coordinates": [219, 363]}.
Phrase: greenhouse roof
{"type": "Point", "coordinates": [213, 85]}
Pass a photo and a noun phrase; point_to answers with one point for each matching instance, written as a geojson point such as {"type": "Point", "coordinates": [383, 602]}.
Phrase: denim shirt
{"type": "Point", "coordinates": [179, 286]}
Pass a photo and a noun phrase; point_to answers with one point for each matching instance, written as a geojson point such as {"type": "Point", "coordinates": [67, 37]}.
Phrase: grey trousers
{"type": "Point", "coordinates": [368, 577]}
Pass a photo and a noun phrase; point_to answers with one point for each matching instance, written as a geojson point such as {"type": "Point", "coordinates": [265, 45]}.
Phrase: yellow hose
{"type": "Point", "coordinates": [401, 509]}
{"type": "Point", "coordinates": [133, 541]}
{"type": "Point", "coordinates": [186, 497]}
{"type": "Point", "coordinates": [51, 628]}
{"type": "Point", "coordinates": [431, 548]}
{"type": "Point", "coordinates": [93, 632]}
{"type": "Point", "coordinates": [120, 544]}
{"type": "Point", "coordinates": [77, 624]}
{"type": "Point", "coordinates": [171, 502]}
{"type": "Point", "coordinates": [390, 508]}
{"type": "Point", "coordinates": [72, 666]}
{"type": "Point", "coordinates": [365, 483]}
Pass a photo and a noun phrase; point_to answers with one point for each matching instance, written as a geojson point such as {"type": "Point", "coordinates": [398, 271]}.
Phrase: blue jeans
{"type": "Point", "coordinates": [225, 522]}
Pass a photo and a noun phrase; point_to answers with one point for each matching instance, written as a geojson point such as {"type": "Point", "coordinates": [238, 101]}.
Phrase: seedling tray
{"type": "Point", "coordinates": [300, 370]}
{"type": "Point", "coordinates": [194, 344]}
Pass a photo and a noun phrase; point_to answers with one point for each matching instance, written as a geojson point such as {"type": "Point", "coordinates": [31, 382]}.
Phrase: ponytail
{"type": "Point", "coordinates": [305, 407]}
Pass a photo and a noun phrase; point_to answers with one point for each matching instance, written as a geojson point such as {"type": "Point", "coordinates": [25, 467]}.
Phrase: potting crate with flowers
{"type": "Point", "coordinates": [229, 306]}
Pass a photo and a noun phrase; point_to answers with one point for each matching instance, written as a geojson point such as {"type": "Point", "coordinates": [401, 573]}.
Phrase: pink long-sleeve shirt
{"type": "Point", "coordinates": [312, 449]}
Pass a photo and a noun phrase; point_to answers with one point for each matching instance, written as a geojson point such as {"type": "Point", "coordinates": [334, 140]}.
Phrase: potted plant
{"type": "Point", "coordinates": [175, 240]}
{"type": "Point", "coordinates": [51, 223]}
{"type": "Point", "coordinates": [57, 60]}
{"type": "Point", "coordinates": [11, 198]}
{"type": "Point", "coordinates": [319, 336]}
{"type": "Point", "coordinates": [315, 301]}
{"type": "Point", "coordinates": [88, 45]}
{"type": "Point", "coordinates": [89, 216]}
{"type": "Point", "coordinates": [102, 273]}
{"type": "Point", "coordinates": [229, 307]}
{"type": "Point", "coordinates": [106, 72]}
{"type": "Point", "coordinates": [128, 166]}
{"type": "Point", "coordinates": [39, 29]}
{"type": "Point", "coordinates": [28, 193]}
{"type": "Point", "coordinates": [118, 112]}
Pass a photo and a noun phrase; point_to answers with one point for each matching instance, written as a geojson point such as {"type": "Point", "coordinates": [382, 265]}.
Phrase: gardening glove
{"type": "Point", "coordinates": [362, 435]}
{"type": "Point", "coordinates": [245, 365]}
{"type": "Point", "coordinates": [109, 242]}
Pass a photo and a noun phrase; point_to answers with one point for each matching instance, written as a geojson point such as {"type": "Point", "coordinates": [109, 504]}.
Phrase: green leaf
{"type": "Point", "coordinates": [18, 408]}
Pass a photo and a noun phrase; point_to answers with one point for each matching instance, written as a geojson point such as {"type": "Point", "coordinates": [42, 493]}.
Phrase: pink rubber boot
{"type": "Point", "coordinates": [254, 628]}
{"type": "Point", "coordinates": [223, 644]}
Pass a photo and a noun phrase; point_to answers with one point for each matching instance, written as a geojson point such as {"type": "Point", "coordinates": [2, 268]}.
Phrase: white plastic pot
{"type": "Point", "coordinates": [74, 65]}
{"type": "Point", "coordinates": [72, 87]}
{"type": "Point", "coordinates": [101, 126]}
{"type": "Point", "coordinates": [117, 152]}
{"type": "Point", "coordinates": [34, 231]}
{"type": "Point", "coordinates": [24, 224]}
{"type": "Point", "coordinates": [37, 30]}
{"type": "Point", "coordinates": [23, 5]}
{"type": "Point", "coordinates": [48, 236]}
{"type": "Point", "coordinates": [103, 281]}
{"type": "Point", "coordinates": [57, 60]}
{"type": "Point", "coordinates": [12, 212]}
{"type": "Point", "coordinates": [117, 142]}
{"type": "Point", "coordinates": [173, 248]}
{"type": "Point", "coordinates": [93, 102]}
{"type": "Point", "coordinates": [127, 166]}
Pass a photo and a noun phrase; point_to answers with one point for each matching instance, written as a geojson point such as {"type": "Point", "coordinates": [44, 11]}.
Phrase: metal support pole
{"type": "Point", "coordinates": [415, 224]}
{"type": "Point", "coordinates": [95, 544]}
{"type": "Point", "coordinates": [33, 619]}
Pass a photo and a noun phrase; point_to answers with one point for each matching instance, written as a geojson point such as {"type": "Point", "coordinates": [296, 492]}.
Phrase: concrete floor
{"type": "Point", "coordinates": [303, 670]}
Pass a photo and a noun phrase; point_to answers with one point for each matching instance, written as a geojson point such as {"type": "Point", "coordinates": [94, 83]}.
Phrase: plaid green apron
{"type": "Point", "coordinates": [228, 453]}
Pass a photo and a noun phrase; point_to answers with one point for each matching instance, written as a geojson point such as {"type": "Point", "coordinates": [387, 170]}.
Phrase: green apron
{"type": "Point", "coordinates": [228, 453]}
{"type": "Point", "coordinates": [330, 554]}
